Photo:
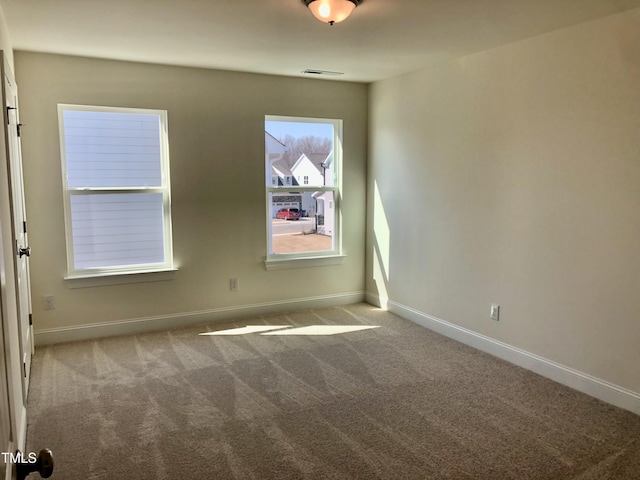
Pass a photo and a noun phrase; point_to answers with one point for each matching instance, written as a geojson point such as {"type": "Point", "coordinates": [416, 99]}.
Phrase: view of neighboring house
{"type": "Point", "coordinates": [316, 169]}
{"type": "Point", "coordinates": [273, 150]}
{"type": "Point", "coordinates": [280, 175]}
{"type": "Point", "coordinates": [308, 170]}
{"type": "Point", "coordinates": [313, 169]}
{"type": "Point", "coordinates": [325, 200]}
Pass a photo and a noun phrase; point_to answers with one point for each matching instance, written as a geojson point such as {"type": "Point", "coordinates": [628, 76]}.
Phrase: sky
{"type": "Point", "coordinates": [279, 129]}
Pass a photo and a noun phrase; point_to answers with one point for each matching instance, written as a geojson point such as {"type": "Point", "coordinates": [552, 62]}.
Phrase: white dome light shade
{"type": "Point", "coordinates": [331, 11]}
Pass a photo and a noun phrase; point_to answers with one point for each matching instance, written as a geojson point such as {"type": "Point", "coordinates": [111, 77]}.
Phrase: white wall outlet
{"type": "Point", "coordinates": [495, 312]}
{"type": "Point", "coordinates": [234, 284]}
{"type": "Point", "coordinates": [47, 302]}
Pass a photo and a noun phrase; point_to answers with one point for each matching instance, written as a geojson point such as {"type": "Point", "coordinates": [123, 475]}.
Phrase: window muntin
{"type": "Point", "coordinates": [115, 164]}
{"type": "Point", "coordinates": [311, 150]}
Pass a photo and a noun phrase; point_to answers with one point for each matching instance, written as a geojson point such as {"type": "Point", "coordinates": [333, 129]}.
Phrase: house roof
{"type": "Point", "coordinates": [280, 168]}
{"type": "Point", "coordinates": [274, 138]}
{"type": "Point", "coordinates": [315, 158]}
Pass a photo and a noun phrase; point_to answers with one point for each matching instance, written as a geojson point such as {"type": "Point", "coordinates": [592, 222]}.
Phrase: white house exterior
{"type": "Point", "coordinates": [310, 170]}
{"type": "Point", "coordinates": [273, 151]}
{"type": "Point", "coordinates": [317, 170]}
{"type": "Point", "coordinates": [326, 201]}
{"type": "Point", "coordinates": [307, 170]}
{"type": "Point", "coordinates": [279, 174]}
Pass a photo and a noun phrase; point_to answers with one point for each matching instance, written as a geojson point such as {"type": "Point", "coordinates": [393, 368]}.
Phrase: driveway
{"type": "Point", "coordinates": [283, 227]}
{"type": "Point", "coordinates": [295, 236]}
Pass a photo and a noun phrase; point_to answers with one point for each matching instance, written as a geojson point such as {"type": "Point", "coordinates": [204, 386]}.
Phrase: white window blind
{"type": "Point", "coordinates": [117, 195]}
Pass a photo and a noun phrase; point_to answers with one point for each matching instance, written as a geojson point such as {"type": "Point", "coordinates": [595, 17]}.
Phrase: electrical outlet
{"type": "Point", "coordinates": [234, 284]}
{"type": "Point", "coordinates": [495, 312]}
{"type": "Point", "coordinates": [47, 302]}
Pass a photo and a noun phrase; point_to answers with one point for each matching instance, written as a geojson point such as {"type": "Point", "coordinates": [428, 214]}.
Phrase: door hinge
{"type": "Point", "coordinates": [24, 369]}
{"type": "Point", "coordinates": [31, 319]}
{"type": "Point", "coordinates": [8, 110]}
{"type": "Point", "coordinates": [24, 227]}
{"type": "Point", "coordinates": [19, 127]}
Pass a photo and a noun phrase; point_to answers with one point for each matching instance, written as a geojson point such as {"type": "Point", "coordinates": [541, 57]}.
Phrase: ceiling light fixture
{"type": "Point", "coordinates": [331, 11]}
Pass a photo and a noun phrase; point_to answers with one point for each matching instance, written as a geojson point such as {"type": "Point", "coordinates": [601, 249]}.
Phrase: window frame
{"type": "Point", "coordinates": [124, 271]}
{"type": "Point", "coordinates": [274, 261]}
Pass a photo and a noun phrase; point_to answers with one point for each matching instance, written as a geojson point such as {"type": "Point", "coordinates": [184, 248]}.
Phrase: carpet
{"type": "Point", "coordinates": [392, 402]}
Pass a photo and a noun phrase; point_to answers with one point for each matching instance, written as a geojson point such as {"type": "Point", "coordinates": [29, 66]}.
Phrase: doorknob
{"type": "Point", "coordinates": [24, 251]}
{"type": "Point", "coordinates": [43, 465]}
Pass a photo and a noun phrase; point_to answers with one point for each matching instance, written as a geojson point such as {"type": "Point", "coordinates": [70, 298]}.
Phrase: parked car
{"type": "Point", "coordinates": [288, 213]}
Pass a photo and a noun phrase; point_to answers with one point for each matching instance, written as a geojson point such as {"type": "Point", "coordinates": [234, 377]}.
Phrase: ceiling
{"type": "Point", "coordinates": [381, 39]}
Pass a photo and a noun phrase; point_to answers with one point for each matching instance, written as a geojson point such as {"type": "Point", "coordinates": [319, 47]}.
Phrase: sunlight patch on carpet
{"type": "Point", "coordinates": [289, 330]}
{"type": "Point", "coordinates": [246, 330]}
{"type": "Point", "coordinates": [322, 330]}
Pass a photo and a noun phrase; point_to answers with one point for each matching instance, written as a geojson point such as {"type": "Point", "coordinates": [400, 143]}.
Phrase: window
{"type": "Point", "coordinates": [115, 164]}
{"type": "Point", "coordinates": [310, 149]}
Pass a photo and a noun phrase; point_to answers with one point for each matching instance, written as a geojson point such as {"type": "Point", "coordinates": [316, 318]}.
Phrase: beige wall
{"type": "Point", "coordinates": [216, 135]}
{"type": "Point", "coordinates": [513, 177]}
{"type": "Point", "coordinates": [5, 39]}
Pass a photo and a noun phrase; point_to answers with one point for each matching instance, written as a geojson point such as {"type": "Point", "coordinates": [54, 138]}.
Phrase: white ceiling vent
{"type": "Point", "coordinates": [313, 71]}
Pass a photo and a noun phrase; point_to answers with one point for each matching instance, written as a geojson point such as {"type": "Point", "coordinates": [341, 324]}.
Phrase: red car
{"type": "Point", "coordinates": [288, 213]}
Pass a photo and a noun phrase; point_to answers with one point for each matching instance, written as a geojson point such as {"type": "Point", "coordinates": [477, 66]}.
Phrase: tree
{"type": "Point", "coordinates": [296, 146]}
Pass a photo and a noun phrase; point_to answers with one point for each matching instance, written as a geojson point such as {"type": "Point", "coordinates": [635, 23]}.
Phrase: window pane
{"type": "Point", "coordinates": [302, 221]}
{"type": "Point", "coordinates": [108, 149]}
{"type": "Point", "coordinates": [299, 153]}
{"type": "Point", "coordinates": [117, 229]}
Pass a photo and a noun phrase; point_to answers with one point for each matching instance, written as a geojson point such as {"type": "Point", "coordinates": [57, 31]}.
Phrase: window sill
{"type": "Point", "coordinates": [119, 278]}
{"type": "Point", "coordinates": [303, 262]}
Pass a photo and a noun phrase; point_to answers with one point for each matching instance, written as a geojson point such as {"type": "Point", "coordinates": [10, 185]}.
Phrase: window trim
{"type": "Point", "coordinates": [277, 261]}
{"type": "Point", "coordinates": [74, 274]}
{"type": "Point", "coordinates": [302, 262]}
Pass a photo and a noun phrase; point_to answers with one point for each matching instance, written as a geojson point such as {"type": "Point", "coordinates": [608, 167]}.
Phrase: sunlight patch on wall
{"type": "Point", "coordinates": [381, 231]}
{"type": "Point", "coordinates": [382, 236]}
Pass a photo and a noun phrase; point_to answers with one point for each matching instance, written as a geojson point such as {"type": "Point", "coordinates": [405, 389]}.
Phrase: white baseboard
{"type": "Point", "coordinates": [595, 387]}
{"type": "Point", "coordinates": [160, 322]}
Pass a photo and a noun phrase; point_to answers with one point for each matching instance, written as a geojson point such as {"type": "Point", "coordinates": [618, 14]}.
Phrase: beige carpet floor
{"type": "Point", "coordinates": [392, 402]}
